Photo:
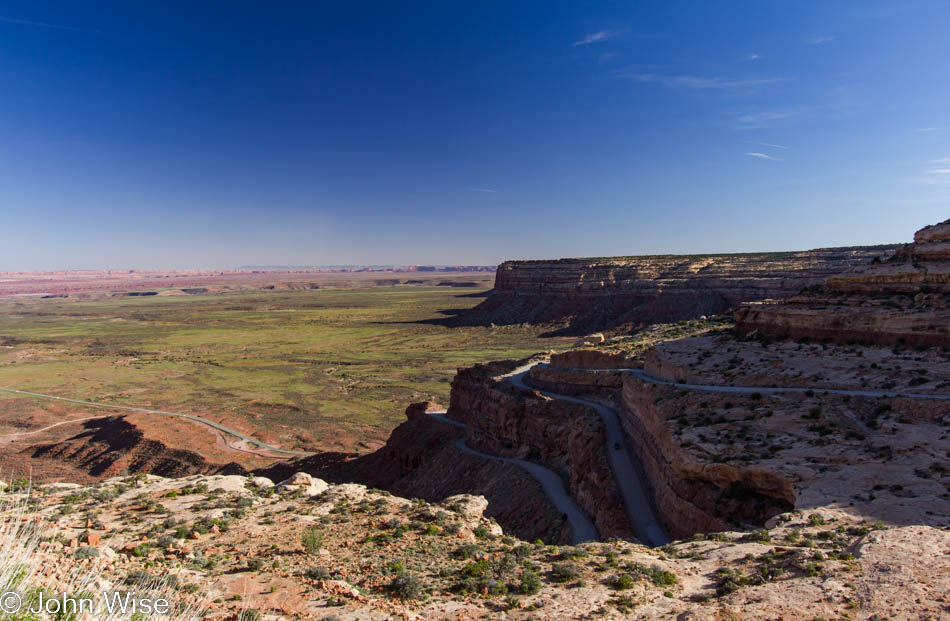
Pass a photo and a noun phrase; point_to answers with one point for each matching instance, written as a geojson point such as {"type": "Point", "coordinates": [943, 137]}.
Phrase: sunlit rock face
{"type": "Point", "coordinates": [902, 299]}
{"type": "Point", "coordinates": [584, 295]}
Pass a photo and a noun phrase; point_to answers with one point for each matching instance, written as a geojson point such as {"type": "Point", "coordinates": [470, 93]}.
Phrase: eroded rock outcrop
{"type": "Point", "coordinates": [691, 495]}
{"type": "Point", "coordinates": [582, 295]}
{"type": "Point", "coordinates": [902, 299]}
{"type": "Point", "coordinates": [564, 437]}
{"type": "Point", "coordinates": [421, 460]}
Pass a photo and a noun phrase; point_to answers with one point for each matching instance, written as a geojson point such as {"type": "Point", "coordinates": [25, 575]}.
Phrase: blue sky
{"type": "Point", "coordinates": [182, 134]}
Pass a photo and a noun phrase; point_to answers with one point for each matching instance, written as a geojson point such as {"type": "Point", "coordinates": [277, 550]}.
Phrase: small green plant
{"type": "Point", "coordinates": [565, 572]}
{"type": "Point", "coordinates": [406, 585]}
{"type": "Point", "coordinates": [529, 582]}
{"type": "Point", "coordinates": [623, 582]}
{"type": "Point", "coordinates": [312, 540]}
{"type": "Point", "coordinates": [255, 564]}
{"type": "Point", "coordinates": [250, 614]}
{"type": "Point", "coordinates": [466, 550]}
{"type": "Point", "coordinates": [318, 572]}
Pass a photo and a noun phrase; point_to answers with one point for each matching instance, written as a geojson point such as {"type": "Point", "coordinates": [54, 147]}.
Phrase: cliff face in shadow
{"type": "Point", "coordinates": [420, 460]}
{"type": "Point", "coordinates": [578, 296]}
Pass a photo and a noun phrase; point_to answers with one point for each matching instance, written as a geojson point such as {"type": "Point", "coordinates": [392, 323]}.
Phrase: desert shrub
{"type": "Point", "coordinates": [312, 540]}
{"type": "Point", "coordinates": [760, 535]}
{"type": "Point", "coordinates": [138, 576]}
{"type": "Point", "coordinates": [255, 564]}
{"type": "Point", "coordinates": [202, 562]}
{"type": "Point", "coordinates": [466, 550]}
{"type": "Point", "coordinates": [529, 582]}
{"type": "Point", "coordinates": [729, 581]}
{"type": "Point", "coordinates": [475, 569]}
{"type": "Point", "coordinates": [250, 614]}
{"type": "Point", "coordinates": [522, 551]}
{"type": "Point", "coordinates": [655, 574]}
{"type": "Point", "coordinates": [318, 572]}
{"type": "Point", "coordinates": [622, 582]}
{"type": "Point", "coordinates": [165, 541]}
{"type": "Point", "coordinates": [86, 552]}
{"type": "Point", "coordinates": [406, 585]}
{"type": "Point", "coordinates": [571, 553]}
{"type": "Point", "coordinates": [661, 577]}
{"type": "Point", "coordinates": [564, 572]}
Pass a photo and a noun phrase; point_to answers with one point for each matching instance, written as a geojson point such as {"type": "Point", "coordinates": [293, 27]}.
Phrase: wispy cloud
{"type": "Point", "coordinates": [753, 56]}
{"type": "Point", "coordinates": [600, 36]}
{"type": "Point", "coordinates": [821, 39]}
{"type": "Point", "coordinates": [698, 82]}
{"type": "Point", "coordinates": [763, 156]}
{"type": "Point", "coordinates": [937, 175]}
{"type": "Point", "coordinates": [769, 144]}
{"type": "Point", "coordinates": [488, 190]}
{"type": "Point", "coordinates": [27, 22]}
{"type": "Point", "coordinates": [765, 118]}
{"type": "Point", "coordinates": [929, 129]}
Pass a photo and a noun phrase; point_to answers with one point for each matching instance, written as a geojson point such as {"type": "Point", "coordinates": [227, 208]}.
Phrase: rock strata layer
{"type": "Point", "coordinates": [690, 495]}
{"type": "Point", "coordinates": [564, 437]}
{"type": "Point", "coordinates": [902, 299]}
{"type": "Point", "coordinates": [582, 295]}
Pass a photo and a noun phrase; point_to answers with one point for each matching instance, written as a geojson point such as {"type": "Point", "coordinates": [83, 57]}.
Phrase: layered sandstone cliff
{"type": "Point", "coordinates": [581, 295]}
{"type": "Point", "coordinates": [564, 437]}
{"type": "Point", "coordinates": [692, 493]}
{"type": "Point", "coordinates": [695, 495]}
{"type": "Point", "coordinates": [903, 299]}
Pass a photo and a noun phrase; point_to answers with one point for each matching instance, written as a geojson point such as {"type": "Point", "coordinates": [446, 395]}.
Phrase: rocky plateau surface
{"type": "Point", "coordinates": [238, 547]}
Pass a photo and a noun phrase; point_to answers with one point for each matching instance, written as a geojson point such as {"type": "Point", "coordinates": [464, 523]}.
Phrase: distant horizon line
{"type": "Point", "coordinates": [431, 267]}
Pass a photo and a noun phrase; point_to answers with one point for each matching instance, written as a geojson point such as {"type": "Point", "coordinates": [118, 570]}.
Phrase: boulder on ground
{"type": "Point", "coordinates": [298, 479]}
{"type": "Point", "coordinates": [224, 482]}
{"type": "Point", "coordinates": [466, 504]}
{"type": "Point", "coordinates": [303, 482]}
{"type": "Point", "coordinates": [422, 408]}
{"type": "Point", "coordinates": [260, 482]}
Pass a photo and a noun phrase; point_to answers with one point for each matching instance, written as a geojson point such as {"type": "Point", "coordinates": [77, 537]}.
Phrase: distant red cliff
{"type": "Point", "coordinates": [578, 296]}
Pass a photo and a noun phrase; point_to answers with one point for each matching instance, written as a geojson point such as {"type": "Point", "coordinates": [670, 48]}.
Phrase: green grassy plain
{"type": "Point", "coordinates": [325, 369]}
